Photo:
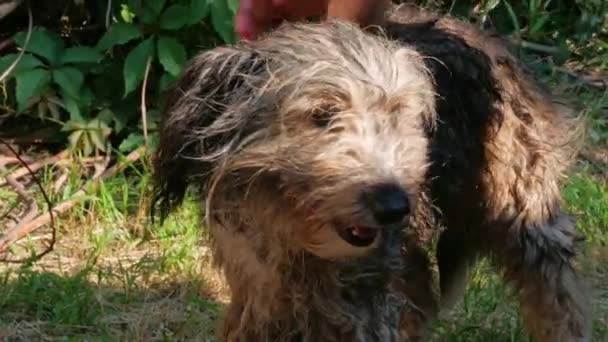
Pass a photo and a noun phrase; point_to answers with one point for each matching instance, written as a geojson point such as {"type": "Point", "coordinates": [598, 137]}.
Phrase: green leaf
{"type": "Point", "coordinates": [98, 131]}
{"type": "Point", "coordinates": [44, 43]}
{"type": "Point", "coordinates": [97, 138]}
{"type": "Point", "coordinates": [120, 122]}
{"type": "Point", "coordinates": [72, 107]}
{"type": "Point", "coordinates": [73, 125]}
{"type": "Point", "coordinates": [198, 11]}
{"type": "Point", "coordinates": [514, 19]}
{"type": "Point", "coordinates": [146, 15]}
{"type": "Point", "coordinates": [155, 5]}
{"type": "Point", "coordinates": [126, 14]}
{"type": "Point", "coordinates": [87, 148]}
{"type": "Point", "coordinates": [69, 80]}
{"type": "Point", "coordinates": [491, 5]}
{"type": "Point", "coordinates": [538, 24]}
{"type": "Point", "coordinates": [31, 83]}
{"type": "Point", "coordinates": [174, 17]}
{"type": "Point", "coordinates": [87, 135]}
{"type": "Point", "coordinates": [166, 80]}
{"type": "Point", "coordinates": [233, 5]}
{"type": "Point", "coordinates": [135, 64]}
{"type": "Point", "coordinates": [87, 98]}
{"type": "Point", "coordinates": [118, 34]}
{"type": "Point", "coordinates": [42, 109]}
{"type": "Point", "coordinates": [131, 142]}
{"type": "Point", "coordinates": [221, 18]}
{"type": "Point", "coordinates": [27, 62]}
{"type": "Point", "coordinates": [74, 138]}
{"type": "Point", "coordinates": [106, 115]}
{"type": "Point", "coordinates": [171, 54]}
{"type": "Point", "coordinates": [80, 54]}
{"type": "Point", "coordinates": [54, 110]}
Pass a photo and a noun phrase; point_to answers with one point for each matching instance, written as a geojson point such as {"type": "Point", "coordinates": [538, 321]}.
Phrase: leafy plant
{"type": "Point", "coordinates": [95, 72]}
{"type": "Point", "coordinates": [90, 84]}
{"type": "Point", "coordinates": [88, 136]}
{"type": "Point", "coordinates": [49, 66]}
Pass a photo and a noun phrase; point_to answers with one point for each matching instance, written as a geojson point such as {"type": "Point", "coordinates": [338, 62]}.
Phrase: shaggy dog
{"type": "Point", "coordinates": [325, 154]}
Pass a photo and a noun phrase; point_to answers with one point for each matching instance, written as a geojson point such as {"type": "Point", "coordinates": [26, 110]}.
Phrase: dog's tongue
{"type": "Point", "coordinates": [363, 233]}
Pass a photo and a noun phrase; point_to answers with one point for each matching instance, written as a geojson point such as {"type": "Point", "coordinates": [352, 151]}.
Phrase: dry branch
{"type": "Point", "coordinates": [22, 171]}
{"type": "Point", "coordinates": [4, 160]}
{"type": "Point", "coordinates": [14, 235]}
{"type": "Point", "coordinates": [46, 198]}
{"type": "Point", "coordinates": [598, 83]}
{"type": "Point", "coordinates": [60, 181]}
{"type": "Point", "coordinates": [21, 192]}
{"type": "Point", "coordinates": [144, 112]}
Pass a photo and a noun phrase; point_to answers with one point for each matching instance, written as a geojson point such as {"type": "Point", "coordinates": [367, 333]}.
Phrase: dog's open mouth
{"type": "Point", "coordinates": [357, 235]}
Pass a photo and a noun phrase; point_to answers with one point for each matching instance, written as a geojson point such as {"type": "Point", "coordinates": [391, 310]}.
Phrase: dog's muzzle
{"type": "Point", "coordinates": [387, 205]}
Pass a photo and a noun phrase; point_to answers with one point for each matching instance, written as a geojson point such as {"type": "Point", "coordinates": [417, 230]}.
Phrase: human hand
{"type": "Point", "coordinates": [256, 16]}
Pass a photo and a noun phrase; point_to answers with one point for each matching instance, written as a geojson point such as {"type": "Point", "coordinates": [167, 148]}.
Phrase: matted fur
{"type": "Point", "coordinates": [281, 135]}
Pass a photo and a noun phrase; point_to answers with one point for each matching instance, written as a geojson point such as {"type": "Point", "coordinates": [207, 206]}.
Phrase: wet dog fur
{"type": "Point", "coordinates": [286, 139]}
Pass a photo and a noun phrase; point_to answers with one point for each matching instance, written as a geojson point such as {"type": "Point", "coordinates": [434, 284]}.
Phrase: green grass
{"type": "Point", "coordinates": [113, 275]}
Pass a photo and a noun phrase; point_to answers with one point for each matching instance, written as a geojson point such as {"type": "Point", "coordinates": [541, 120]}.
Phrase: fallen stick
{"type": "Point", "coordinates": [13, 160]}
{"type": "Point", "coordinates": [84, 162]}
{"type": "Point", "coordinates": [14, 235]}
{"type": "Point", "coordinates": [598, 83]}
{"type": "Point", "coordinates": [22, 193]}
{"type": "Point", "coordinates": [35, 166]}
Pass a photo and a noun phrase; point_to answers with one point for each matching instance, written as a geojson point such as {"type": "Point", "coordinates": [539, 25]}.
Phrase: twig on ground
{"type": "Point", "coordinates": [25, 44]}
{"type": "Point", "coordinates": [21, 192]}
{"type": "Point", "coordinates": [592, 82]}
{"type": "Point", "coordinates": [5, 239]}
{"type": "Point", "coordinates": [550, 50]}
{"type": "Point", "coordinates": [33, 167]}
{"type": "Point", "coordinates": [60, 181]}
{"type": "Point", "coordinates": [12, 160]}
{"type": "Point", "coordinates": [596, 163]}
{"type": "Point", "coordinates": [144, 115]}
{"type": "Point", "coordinates": [7, 213]}
{"type": "Point", "coordinates": [100, 168]}
{"type": "Point", "coordinates": [15, 235]}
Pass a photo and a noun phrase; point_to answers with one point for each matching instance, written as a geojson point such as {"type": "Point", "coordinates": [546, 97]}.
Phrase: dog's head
{"type": "Point", "coordinates": [316, 133]}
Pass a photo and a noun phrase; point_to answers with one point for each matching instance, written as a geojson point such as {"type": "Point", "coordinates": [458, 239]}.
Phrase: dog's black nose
{"type": "Point", "coordinates": [388, 203]}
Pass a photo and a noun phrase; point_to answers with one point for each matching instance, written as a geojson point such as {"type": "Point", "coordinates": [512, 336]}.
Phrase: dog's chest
{"type": "Point", "coordinates": [366, 310]}
{"type": "Point", "coordinates": [377, 319]}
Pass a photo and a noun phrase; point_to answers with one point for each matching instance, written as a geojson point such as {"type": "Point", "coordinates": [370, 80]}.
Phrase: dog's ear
{"type": "Point", "coordinates": [203, 117]}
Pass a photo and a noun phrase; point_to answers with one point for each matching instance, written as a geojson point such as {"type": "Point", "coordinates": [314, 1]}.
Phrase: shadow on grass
{"type": "Point", "coordinates": [41, 305]}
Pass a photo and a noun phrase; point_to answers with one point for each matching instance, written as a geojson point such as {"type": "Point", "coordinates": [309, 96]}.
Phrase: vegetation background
{"type": "Point", "coordinates": [81, 85]}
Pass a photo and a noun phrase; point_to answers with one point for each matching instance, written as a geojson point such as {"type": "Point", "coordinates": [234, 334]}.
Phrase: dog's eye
{"type": "Point", "coordinates": [322, 116]}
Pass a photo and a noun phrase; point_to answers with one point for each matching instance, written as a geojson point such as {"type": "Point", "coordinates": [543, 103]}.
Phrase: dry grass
{"type": "Point", "coordinates": [110, 279]}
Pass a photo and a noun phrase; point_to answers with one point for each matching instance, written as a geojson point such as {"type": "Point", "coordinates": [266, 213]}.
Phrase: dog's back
{"type": "Point", "coordinates": [500, 147]}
